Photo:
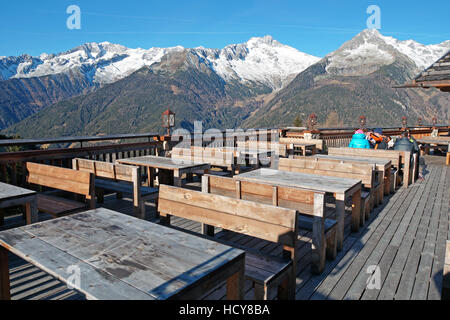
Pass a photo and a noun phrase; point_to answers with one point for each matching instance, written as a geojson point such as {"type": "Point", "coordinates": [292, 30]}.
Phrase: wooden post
{"type": "Point", "coordinates": [235, 284]}
{"type": "Point", "coordinates": [5, 290]}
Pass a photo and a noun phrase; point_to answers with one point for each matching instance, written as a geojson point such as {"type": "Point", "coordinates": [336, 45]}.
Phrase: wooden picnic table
{"type": "Point", "coordinates": [11, 196]}
{"type": "Point", "coordinates": [340, 188]}
{"type": "Point", "coordinates": [170, 171]}
{"type": "Point", "coordinates": [383, 166]}
{"type": "Point", "coordinates": [118, 257]}
{"type": "Point", "coordinates": [438, 141]}
{"type": "Point", "coordinates": [303, 146]}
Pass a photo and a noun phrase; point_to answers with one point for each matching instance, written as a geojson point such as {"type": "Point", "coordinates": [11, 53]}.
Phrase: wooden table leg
{"type": "Point", "coordinates": [387, 181]}
{"type": "Point", "coordinates": [177, 179]}
{"type": "Point", "coordinates": [5, 290]}
{"type": "Point", "coordinates": [356, 210]}
{"type": "Point", "coordinates": [235, 284]}
{"type": "Point", "coordinates": [31, 211]}
{"type": "Point", "coordinates": [318, 245]}
{"type": "Point", "coordinates": [151, 177]}
{"type": "Point", "coordinates": [340, 218]}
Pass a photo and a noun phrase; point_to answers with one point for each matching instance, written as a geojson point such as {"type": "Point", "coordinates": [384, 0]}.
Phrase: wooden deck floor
{"type": "Point", "coordinates": [405, 238]}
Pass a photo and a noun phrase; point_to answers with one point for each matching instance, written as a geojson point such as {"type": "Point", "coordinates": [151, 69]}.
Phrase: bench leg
{"type": "Point", "coordinates": [31, 212]}
{"type": "Point", "coordinates": [100, 195]}
{"type": "Point", "coordinates": [381, 195]}
{"type": "Point", "coordinates": [356, 211]}
{"type": "Point", "coordinates": [260, 291]}
{"type": "Point", "coordinates": [5, 291]}
{"type": "Point", "coordinates": [387, 182]}
{"type": "Point", "coordinates": [139, 210]}
{"type": "Point", "coordinates": [207, 230]}
{"type": "Point", "coordinates": [366, 209]}
{"type": "Point", "coordinates": [286, 289]}
{"type": "Point", "coordinates": [165, 220]}
{"type": "Point", "coordinates": [332, 244]}
{"type": "Point", "coordinates": [235, 285]}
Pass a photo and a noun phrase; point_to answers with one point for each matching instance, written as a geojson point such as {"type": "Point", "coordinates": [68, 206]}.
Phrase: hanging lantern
{"type": "Point", "coordinates": [168, 120]}
{"type": "Point", "coordinates": [362, 122]}
{"type": "Point", "coordinates": [404, 122]}
{"type": "Point", "coordinates": [312, 122]}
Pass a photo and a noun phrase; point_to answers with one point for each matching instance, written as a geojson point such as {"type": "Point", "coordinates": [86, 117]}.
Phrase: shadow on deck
{"type": "Point", "coordinates": [401, 249]}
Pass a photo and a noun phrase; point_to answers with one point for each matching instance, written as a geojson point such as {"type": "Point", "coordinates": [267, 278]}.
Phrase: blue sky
{"type": "Point", "coordinates": [316, 27]}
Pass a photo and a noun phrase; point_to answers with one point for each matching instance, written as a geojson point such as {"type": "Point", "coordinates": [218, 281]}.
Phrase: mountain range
{"type": "Point", "coordinates": [108, 88]}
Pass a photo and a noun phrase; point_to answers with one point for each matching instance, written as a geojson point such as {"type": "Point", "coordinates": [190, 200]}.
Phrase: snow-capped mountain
{"type": "Point", "coordinates": [370, 50]}
{"type": "Point", "coordinates": [263, 60]}
{"type": "Point", "coordinates": [101, 63]}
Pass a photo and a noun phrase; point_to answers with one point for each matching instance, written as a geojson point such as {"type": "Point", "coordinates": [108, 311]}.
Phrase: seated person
{"type": "Point", "coordinates": [359, 141]}
{"type": "Point", "coordinates": [378, 140]}
{"type": "Point", "coordinates": [404, 144]}
{"type": "Point", "coordinates": [408, 143]}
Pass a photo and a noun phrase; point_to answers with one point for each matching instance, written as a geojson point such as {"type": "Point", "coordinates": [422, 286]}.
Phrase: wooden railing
{"type": "Point", "coordinates": [103, 148]}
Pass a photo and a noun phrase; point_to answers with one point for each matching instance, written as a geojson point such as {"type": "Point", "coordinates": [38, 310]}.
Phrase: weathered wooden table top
{"type": "Point", "coordinates": [8, 191]}
{"type": "Point", "coordinates": [118, 256]}
{"type": "Point", "coordinates": [435, 141]}
{"type": "Point", "coordinates": [161, 162]}
{"type": "Point", "coordinates": [376, 161]}
{"type": "Point", "coordinates": [299, 180]}
{"type": "Point", "coordinates": [250, 151]}
{"type": "Point", "coordinates": [303, 144]}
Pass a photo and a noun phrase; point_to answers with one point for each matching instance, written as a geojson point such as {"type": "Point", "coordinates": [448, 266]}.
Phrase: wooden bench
{"type": "Point", "coordinates": [79, 183]}
{"type": "Point", "coordinates": [262, 221]}
{"type": "Point", "coordinates": [286, 197]}
{"type": "Point", "coordinates": [364, 172]}
{"type": "Point", "coordinates": [397, 158]}
{"type": "Point", "coordinates": [123, 179]}
{"type": "Point", "coordinates": [216, 157]}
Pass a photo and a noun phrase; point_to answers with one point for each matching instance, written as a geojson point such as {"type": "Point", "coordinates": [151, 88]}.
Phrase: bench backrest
{"type": "Point", "coordinates": [262, 221]}
{"type": "Point", "coordinates": [107, 170]}
{"type": "Point", "coordinates": [280, 148]}
{"type": "Point", "coordinates": [213, 156]}
{"type": "Point", "coordinates": [364, 172]}
{"type": "Point", "coordinates": [81, 183]}
{"type": "Point", "coordinates": [301, 200]}
{"type": "Point", "coordinates": [393, 155]}
{"type": "Point", "coordinates": [318, 142]}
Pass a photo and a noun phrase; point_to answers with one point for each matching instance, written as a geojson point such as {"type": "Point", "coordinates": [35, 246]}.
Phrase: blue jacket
{"type": "Point", "coordinates": [359, 141]}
